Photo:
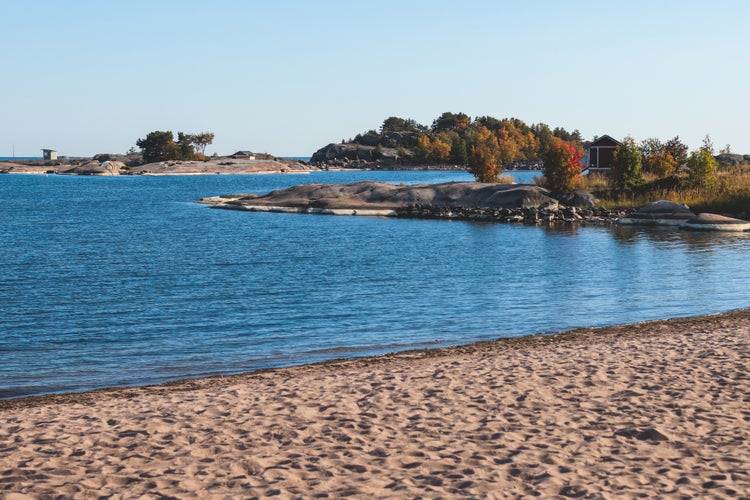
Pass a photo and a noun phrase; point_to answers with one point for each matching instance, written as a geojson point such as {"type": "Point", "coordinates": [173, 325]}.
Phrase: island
{"type": "Point", "coordinates": [521, 203]}
{"type": "Point", "coordinates": [132, 164]}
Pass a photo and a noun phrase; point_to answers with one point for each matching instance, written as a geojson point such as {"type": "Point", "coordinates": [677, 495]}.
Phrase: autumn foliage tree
{"type": "Point", "coordinates": [661, 163]}
{"type": "Point", "coordinates": [702, 166]}
{"type": "Point", "coordinates": [562, 164]}
{"type": "Point", "coordinates": [484, 159]}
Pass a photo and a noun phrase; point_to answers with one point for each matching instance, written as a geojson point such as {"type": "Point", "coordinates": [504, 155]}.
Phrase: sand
{"type": "Point", "coordinates": [653, 409]}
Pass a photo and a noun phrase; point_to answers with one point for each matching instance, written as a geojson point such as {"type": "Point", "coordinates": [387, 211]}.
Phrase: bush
{"type": "Point", "coordinates": [702, 168]}
{"type": "Point", "coordinates": [626, 167]}
{"type": "Point", "coordinates": [562, 165]}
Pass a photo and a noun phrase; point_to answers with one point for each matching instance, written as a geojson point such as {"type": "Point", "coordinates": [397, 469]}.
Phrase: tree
{"type": "Point", "coordinates": [441, 150]}
{"type": "Point", "coordinates": [484, 160]}
{"type": "Point", "coordinates": [450, 121]}
{"type": "Point", "coordinates": [459, 154]}
{"type": "Point", "coordinates": [423, 150]}
{"type": "Point", "coordinates": [562, 165]}
{"type": "Point", "coordinates": [157, 146]}
{"type": "Point", "coordinates": [648, 147]}
{"type": "Point", "coordinates": [544, 136]}
{"type": "Point", "coordinates": [677, 149]}
{"type": "Point", "coordinates": [200, 141]}
{"type": "Point", "coordinates": [702, 166]}
{"type": "Point", "coordinates": [160, 146]}
{"type": "Point", "coordinates": [396, 124]}
{"type": "Point", "coordinates": [186, 151]}
{"type": "Point", "coordinates": [627, 165]}
{"type": "Point", "coordinates": [661, 163]}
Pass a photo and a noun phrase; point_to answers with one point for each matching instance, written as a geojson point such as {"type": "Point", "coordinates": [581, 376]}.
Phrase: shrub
{"type": "Point", "coordinates": [562, 165]}
{"type": "Point", "coordinates": [702, 168]}
{"type": "Point", "coordinates": [626, 167]}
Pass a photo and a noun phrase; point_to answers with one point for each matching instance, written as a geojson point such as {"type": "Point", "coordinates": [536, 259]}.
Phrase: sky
{"type": "Point", "coordinates": [290, 76]}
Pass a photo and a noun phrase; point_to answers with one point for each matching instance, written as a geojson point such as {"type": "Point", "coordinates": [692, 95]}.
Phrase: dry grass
{"type": "Point", "coordinates": [730, 194]}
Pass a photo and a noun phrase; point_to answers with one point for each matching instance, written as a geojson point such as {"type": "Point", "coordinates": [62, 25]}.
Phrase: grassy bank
{"type": "Point", "coordinates": [729, 195]}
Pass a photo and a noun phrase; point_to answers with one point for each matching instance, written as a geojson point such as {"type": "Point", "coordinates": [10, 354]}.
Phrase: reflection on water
{"type": "Point", "coordinates": [691, 240]}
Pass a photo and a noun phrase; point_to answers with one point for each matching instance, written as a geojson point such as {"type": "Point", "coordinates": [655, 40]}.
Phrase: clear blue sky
{"type": "Point", "coordinates": [288, 77]}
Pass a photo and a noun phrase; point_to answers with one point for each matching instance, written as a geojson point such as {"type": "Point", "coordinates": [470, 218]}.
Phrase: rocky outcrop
{"type": "Point", "coordinates": [731, 160]}
{"type": "Point", "coordinates": [667, 213]}
{"type": "Point", "coordinates": [221, 166]}
{"type": "Point", "coordinates": [454, 200]}
{"type": "Point", "coordinates": [659, 213]}
{"type": "Point", "coordinates": [369, 194]}
{"type": "Point", "coordinates": [93, 167]}
{"type": "Point", "coordinates": [713, 222]}
{"type": "Point", "coordinates": [361, 156]}
{"type": "Point", "coordinates": [130, 160]}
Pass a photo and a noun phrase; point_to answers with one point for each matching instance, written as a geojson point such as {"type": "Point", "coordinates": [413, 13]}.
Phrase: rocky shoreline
{"type": "Point", "coordinates": [109, 165]}
{"type": "Point", "coordinates": [529, 216]}
{"type": "Point", "coordinates": [508, 203]}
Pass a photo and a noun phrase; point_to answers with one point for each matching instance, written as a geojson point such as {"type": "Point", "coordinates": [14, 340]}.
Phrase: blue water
{"type": "Point", "coordinates": [117, 281]}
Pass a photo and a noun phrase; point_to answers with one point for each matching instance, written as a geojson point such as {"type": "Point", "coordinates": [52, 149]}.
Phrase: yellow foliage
{"type": "Point", "coordinates": [441, 151]}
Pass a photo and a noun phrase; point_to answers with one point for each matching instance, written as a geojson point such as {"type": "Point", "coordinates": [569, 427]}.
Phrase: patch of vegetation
{"type": "Point", "coordinates": [729, 193]}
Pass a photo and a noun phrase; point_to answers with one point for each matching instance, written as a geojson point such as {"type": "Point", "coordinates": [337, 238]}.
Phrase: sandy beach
{"type": "Point", "coordinates": [652, 409]}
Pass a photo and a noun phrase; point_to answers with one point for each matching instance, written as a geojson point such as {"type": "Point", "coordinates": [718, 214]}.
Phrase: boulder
{"type": "Point", "coordinates": [713, 222]}
{"type": "Point", "coordinates": [577, 198]}
{"type": "Point", "coordinates": [659, 213]}
{"type": "Point", "coordinates": [93, 167]}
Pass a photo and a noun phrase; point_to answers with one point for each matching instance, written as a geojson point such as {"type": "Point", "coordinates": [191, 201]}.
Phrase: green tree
{"type": "Point", "coordinates": [544, 136]}
{"type": "Point", "coordinates": [484, 160]}
{"type": "Point", "coordinates": [702, 166]}
{"type": "Point", "coordinates": [450, 121]}
{"type": "Point", "coordinates": [459, 154]}
{"type": "Point", "coordinates": [157, 146]}
{"type": "Point", "coordinates": [626, 166]}
{"type": "Point", "coordinates": [562, 165]}
{"type": "Point", "coordinates": [186, 150]}
{"type": "Point", "coordinates": [677, 149]}
{"type": "Point", "coordinates": [396, 124]}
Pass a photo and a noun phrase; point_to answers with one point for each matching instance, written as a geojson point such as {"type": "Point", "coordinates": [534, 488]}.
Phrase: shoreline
{"type": "Point", "coordinates": [535, 340]}
{"type": "Point", "coordinates": [658, 408]}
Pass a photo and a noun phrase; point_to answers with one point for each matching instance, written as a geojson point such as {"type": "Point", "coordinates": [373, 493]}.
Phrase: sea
{"type": "Point", "coordinates": [126, 281]}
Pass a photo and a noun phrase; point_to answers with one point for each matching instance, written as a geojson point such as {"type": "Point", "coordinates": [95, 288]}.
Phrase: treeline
{"type": "Point", "coordinates": [161, 146]}
{"type": "Point", "coordinates": [453, 136]}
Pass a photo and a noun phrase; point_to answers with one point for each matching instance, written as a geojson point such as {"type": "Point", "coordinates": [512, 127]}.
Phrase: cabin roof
{"type": "Point", "coordinates": [605, 140]}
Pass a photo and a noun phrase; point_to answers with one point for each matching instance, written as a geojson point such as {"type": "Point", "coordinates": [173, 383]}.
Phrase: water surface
{"type": "Point", "coordinates": [118, 281]}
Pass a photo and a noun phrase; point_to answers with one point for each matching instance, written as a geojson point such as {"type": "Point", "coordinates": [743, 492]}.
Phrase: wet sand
{"type": "Point", "coordinates": [651, 409]}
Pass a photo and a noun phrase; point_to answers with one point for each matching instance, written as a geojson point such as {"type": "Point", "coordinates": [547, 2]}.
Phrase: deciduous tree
{"type": "Point", "coordinates": [200, 141]}
{"type": "Point", "coordinates": [702, 167]}
{"type": "Point", "coordinates": [562, 164]}
{"type": "Point", "coordinates": [441, 151]}
{"type": "Point", "coordinates": [661, 163]}
{"type": "Point", "coordinates": [484, 160]}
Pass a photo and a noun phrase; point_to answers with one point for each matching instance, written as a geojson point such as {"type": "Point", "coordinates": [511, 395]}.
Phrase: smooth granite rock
{"type": "Point", "coordinates": [660, 213]}
{"type": "Point", "coordinates": [381, 195]}
{"type": "Point", "coordinates": [713, 222]}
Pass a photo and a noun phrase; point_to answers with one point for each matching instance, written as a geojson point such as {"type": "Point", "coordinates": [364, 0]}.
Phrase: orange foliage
{"type": "Point", "coordinates": [562, 165]}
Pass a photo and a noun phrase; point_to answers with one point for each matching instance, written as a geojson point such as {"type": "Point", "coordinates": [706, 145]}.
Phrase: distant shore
{"type": "Point", "coordinates": [653, 408]}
